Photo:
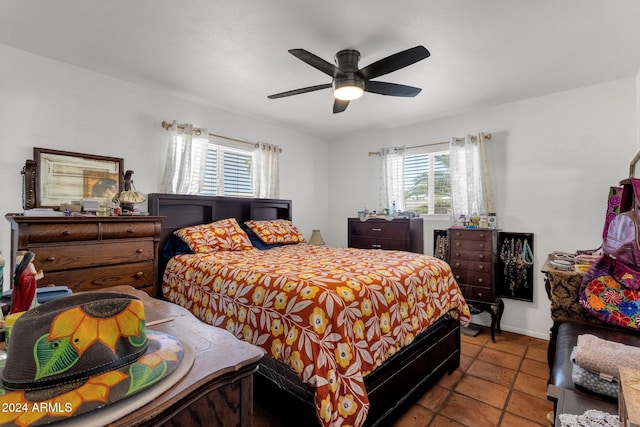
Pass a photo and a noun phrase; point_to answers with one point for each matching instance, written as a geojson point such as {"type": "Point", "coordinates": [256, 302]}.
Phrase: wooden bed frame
{"type": "Point", "coordinates": [391, 388]}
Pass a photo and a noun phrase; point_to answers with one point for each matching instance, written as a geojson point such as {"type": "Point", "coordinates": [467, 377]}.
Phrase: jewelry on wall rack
{"type": "Point", "coordinates": [516, 259]}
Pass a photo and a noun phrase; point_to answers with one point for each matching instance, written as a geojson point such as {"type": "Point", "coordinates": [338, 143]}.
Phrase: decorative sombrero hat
{"type": "Point", "coordinates": [73, 355]}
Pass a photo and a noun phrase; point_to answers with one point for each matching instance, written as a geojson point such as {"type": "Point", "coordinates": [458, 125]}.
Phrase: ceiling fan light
{"type": "Point", "coordinates": [348, 89]}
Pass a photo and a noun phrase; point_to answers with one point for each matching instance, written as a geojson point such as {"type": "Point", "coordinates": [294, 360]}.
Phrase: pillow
{"type": "Point", "coordinates": [174, 246]}
{"type": "Point", "coordinates": [223, 235]}
{"type": "Point", "coordinates": [255, 240]}
{"type": "Point", "coordinates": [276, 231]}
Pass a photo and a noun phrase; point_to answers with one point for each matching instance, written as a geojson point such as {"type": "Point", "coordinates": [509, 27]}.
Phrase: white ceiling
{"type": "Point", "coordinates": [231, 54]}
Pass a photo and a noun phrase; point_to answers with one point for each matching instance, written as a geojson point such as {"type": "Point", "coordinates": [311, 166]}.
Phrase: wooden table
{"type": "Point", "coordinates": [576, 403]}
{"type": "Point", "coordinates": [217, 391]}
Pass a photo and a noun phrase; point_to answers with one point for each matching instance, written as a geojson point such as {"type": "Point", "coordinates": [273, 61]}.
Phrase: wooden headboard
{"type": "Point", "coordinates": [183, 210]}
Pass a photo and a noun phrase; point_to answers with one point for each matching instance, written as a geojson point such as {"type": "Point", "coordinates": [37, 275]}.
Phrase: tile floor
{"type": "Point", "coordinates": [497, 384]}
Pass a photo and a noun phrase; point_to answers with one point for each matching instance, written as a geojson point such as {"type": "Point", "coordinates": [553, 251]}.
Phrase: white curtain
{"type": "Point", "coordinates": [186, 161]}
{"type": "Point", "coordinates": [266, 175]}
{"type": "Point", "coordinates": [392, 178]}
{"type": "Point", "coordinates": [471, 183]}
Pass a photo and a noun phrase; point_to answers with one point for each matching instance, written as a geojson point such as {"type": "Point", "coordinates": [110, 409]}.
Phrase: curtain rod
{"type": "Point", "coordinates": [377, 153]}
{"type": "Point", "coordinates": [166, 125]}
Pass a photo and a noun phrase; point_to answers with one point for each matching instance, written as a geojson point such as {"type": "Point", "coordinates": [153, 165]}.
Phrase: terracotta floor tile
{"type": "Point", "coordinates": [416, 416]}
{"type": "Point", "coordinates": [483, 390]}
{"type": "Point", "coordinates": [538, 343]}
{"type": "Point", "coordinates": [470, 349]}
{"type": "Point", "coordinates": [529, 384]}
{"type": "Point", "coordinates": [450, 381]}
{"type": "Point", "coordinates": [440, 421]}
{"type": "Point", "coordinates": [510, 420]}
{"type": "Point", "coordinates": [465, 362]}
{"type": "Point", "coordinates": [509, 347]}
{"type": "Point", "coordinates": [470, 412]}
{"type": "Point", "coordinates": [537, 353]}
{"type": "Point", "coordinates": [529, 407]}
{"type": "Point", "coordinates": [481, 339]}
{"type": "Point", "coordinates": [490, 355]}
{"type": "Point", "coordinates": [434, 397]}
{"type": "Point", "coordinates": [535, 368]}
{"type": "Point", "coordinates": [493, 373]}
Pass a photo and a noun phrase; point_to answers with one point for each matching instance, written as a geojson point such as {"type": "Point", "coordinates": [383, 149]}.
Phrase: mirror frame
{"type": "Point", "coordinates": [86, 169]}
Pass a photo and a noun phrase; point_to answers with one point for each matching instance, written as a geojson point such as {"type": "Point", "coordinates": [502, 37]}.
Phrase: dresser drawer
{"type": "Point", "coordinates": [481, 294]}
{"type": "Point", "coordinates": [88, 254]}
{"type": "Point", "coordinates": [379, 243]}
{"type": "Point", "coordinates": [67, 232]}
{"type": "Point", "coordinates": [483, 245]}
{"type": "Point", "coordinates": [138, 275]}
{"type": "Point", "coordinates": [477, 266]}
{"type": "Point", "coordinates": [388, 229]}
{"type": "Point", "coordinates": [125, 230]}
{"type": "Point", "coordinates": [472, 277]}
{"type": "Point", "coordinates": [459, 234]}
{"type": "Point", "coordinates": [479, 256]}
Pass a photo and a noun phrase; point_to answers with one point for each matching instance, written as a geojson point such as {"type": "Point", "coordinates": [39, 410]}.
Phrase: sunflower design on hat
{"type": "Point", "coordinates": [77, 340]}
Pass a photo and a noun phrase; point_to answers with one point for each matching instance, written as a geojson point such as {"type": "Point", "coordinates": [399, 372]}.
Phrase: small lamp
{"type": "Point", "coordinates": [316, 238]}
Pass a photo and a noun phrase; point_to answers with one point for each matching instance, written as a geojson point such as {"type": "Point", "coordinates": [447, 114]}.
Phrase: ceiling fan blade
{"type": "Point", "coordinates": [394, 62]}
{"type": "Point", "coordinates": [299, 91]}
{"type": "Point", "coordinates": [391, 89]}
{"type": "Point", "coordinates": [339, 106]}
{"type": "Point", "coordinates": [316, 62]}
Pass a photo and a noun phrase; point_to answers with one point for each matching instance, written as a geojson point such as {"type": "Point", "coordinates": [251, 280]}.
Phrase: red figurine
{"type": "Point", "coordinates": [24, 284]}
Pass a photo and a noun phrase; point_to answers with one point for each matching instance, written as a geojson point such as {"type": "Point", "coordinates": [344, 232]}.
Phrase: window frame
{"type": "Point", "coordinates": [432, 150]}
{"type": "Point", "coordinates": [222, 147]}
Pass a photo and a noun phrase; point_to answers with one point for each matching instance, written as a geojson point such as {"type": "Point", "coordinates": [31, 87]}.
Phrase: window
{"type": "Point", "coordinates": [427, 185]}
{"type": "Point", "coordinates": [228, 172]}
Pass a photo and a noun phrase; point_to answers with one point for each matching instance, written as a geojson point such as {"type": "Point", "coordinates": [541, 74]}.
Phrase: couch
{"type": "Point", "coordinates": [569, 321]}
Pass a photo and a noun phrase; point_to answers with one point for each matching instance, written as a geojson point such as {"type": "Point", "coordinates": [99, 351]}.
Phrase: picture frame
{"type": "Point", "coordinates": [65, 177]}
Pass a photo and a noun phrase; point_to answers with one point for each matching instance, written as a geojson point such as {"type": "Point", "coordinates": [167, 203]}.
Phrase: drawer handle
{"type": "Point", "coordinates": [376, 229]}
{"type": "Point", "coordinates": [458, 234]}
{"type": "Point", "coordinates": [480, 294]}
{"type": "Point", "coordinates": [481, 267]}
{"type": "Point", "coordinates": [138, 275]}
{"type": "Point", "coordinates": [66, 232]}
{"type": "Point", "coordinates": [481, 234]}
{"type": "Point", "coordinates": [376, 246]}
{"type": "Point", "coordinates": [457, 277]}
{"type": "Point", "coordinates": [457, 243]}
{"type": "Point", "coordinates": [457, 264]}
{"type": "Point", "coordinates": [480, 280]}
{"type": "Point", "coordinates": [139, 251]}
{"type": "Point", "coordinates": [130, 230]}
{"type": "Point", "coordinates": [481, 256]}
{"type": "Point", "coordinates": [51, 259]}
{"type": "Point", "coordinates": [482, 245]}
{"type": "Point", "coordinates": [457, 254]}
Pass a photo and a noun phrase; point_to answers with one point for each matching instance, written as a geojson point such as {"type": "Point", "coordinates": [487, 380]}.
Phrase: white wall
{"type": "Point", "coordinates": [49, 104]}
{"type": "Point", "coordinates": [554, 158]}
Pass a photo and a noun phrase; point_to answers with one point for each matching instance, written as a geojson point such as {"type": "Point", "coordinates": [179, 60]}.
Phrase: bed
{"type": "Point", "coordinates": [349, 341]}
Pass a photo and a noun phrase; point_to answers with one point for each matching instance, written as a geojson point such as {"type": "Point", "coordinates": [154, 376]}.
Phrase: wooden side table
{"type": "Point", "coordinates": [576, 403]}
{"type": "Point", "coordinates": [217, 390]}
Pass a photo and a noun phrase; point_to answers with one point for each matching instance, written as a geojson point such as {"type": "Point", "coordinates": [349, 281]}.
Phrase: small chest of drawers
{"type": "Point", "coordinates": [472, 257]}
{"type": "Point", "coordinates": [403, 234]}
{"type": "Point", "coordinates": [90, 253]}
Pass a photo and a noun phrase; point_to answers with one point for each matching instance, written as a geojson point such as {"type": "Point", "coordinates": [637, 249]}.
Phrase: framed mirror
{"type": "Point", "coordinates": [65, 177]}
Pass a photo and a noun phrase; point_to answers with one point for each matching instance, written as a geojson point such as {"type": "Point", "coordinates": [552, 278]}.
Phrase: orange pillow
{"type": "Point", "coordinates": [223, 235]}
{"type": "Point", "coordinates": [276, 231]}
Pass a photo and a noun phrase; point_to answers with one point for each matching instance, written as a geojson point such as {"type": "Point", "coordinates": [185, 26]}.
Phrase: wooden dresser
{"type": "Point", "coordinates": [404, 234]}
{"type": "Point", "coordinates": [472, 257]}
{"type": "Point", "coordinates": [90, 253]}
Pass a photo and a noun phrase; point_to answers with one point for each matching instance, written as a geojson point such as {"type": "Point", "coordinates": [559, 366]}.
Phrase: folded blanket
{"type": "Point", "coordinates": [592, 381]}
{"type": "Point", "coordinates": [604, 357]}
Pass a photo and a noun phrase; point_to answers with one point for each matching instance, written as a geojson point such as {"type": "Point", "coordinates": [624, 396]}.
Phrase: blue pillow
{"type": "Point", "coordinates": [174, 246]}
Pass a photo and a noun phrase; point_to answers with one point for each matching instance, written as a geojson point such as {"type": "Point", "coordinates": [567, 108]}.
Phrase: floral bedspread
{"type": "Point", "coordinates": [332, 314]}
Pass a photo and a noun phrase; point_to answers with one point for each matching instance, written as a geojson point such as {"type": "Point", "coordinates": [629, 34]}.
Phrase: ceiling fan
{"type": "Point", "coordinates": [350, 82]}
